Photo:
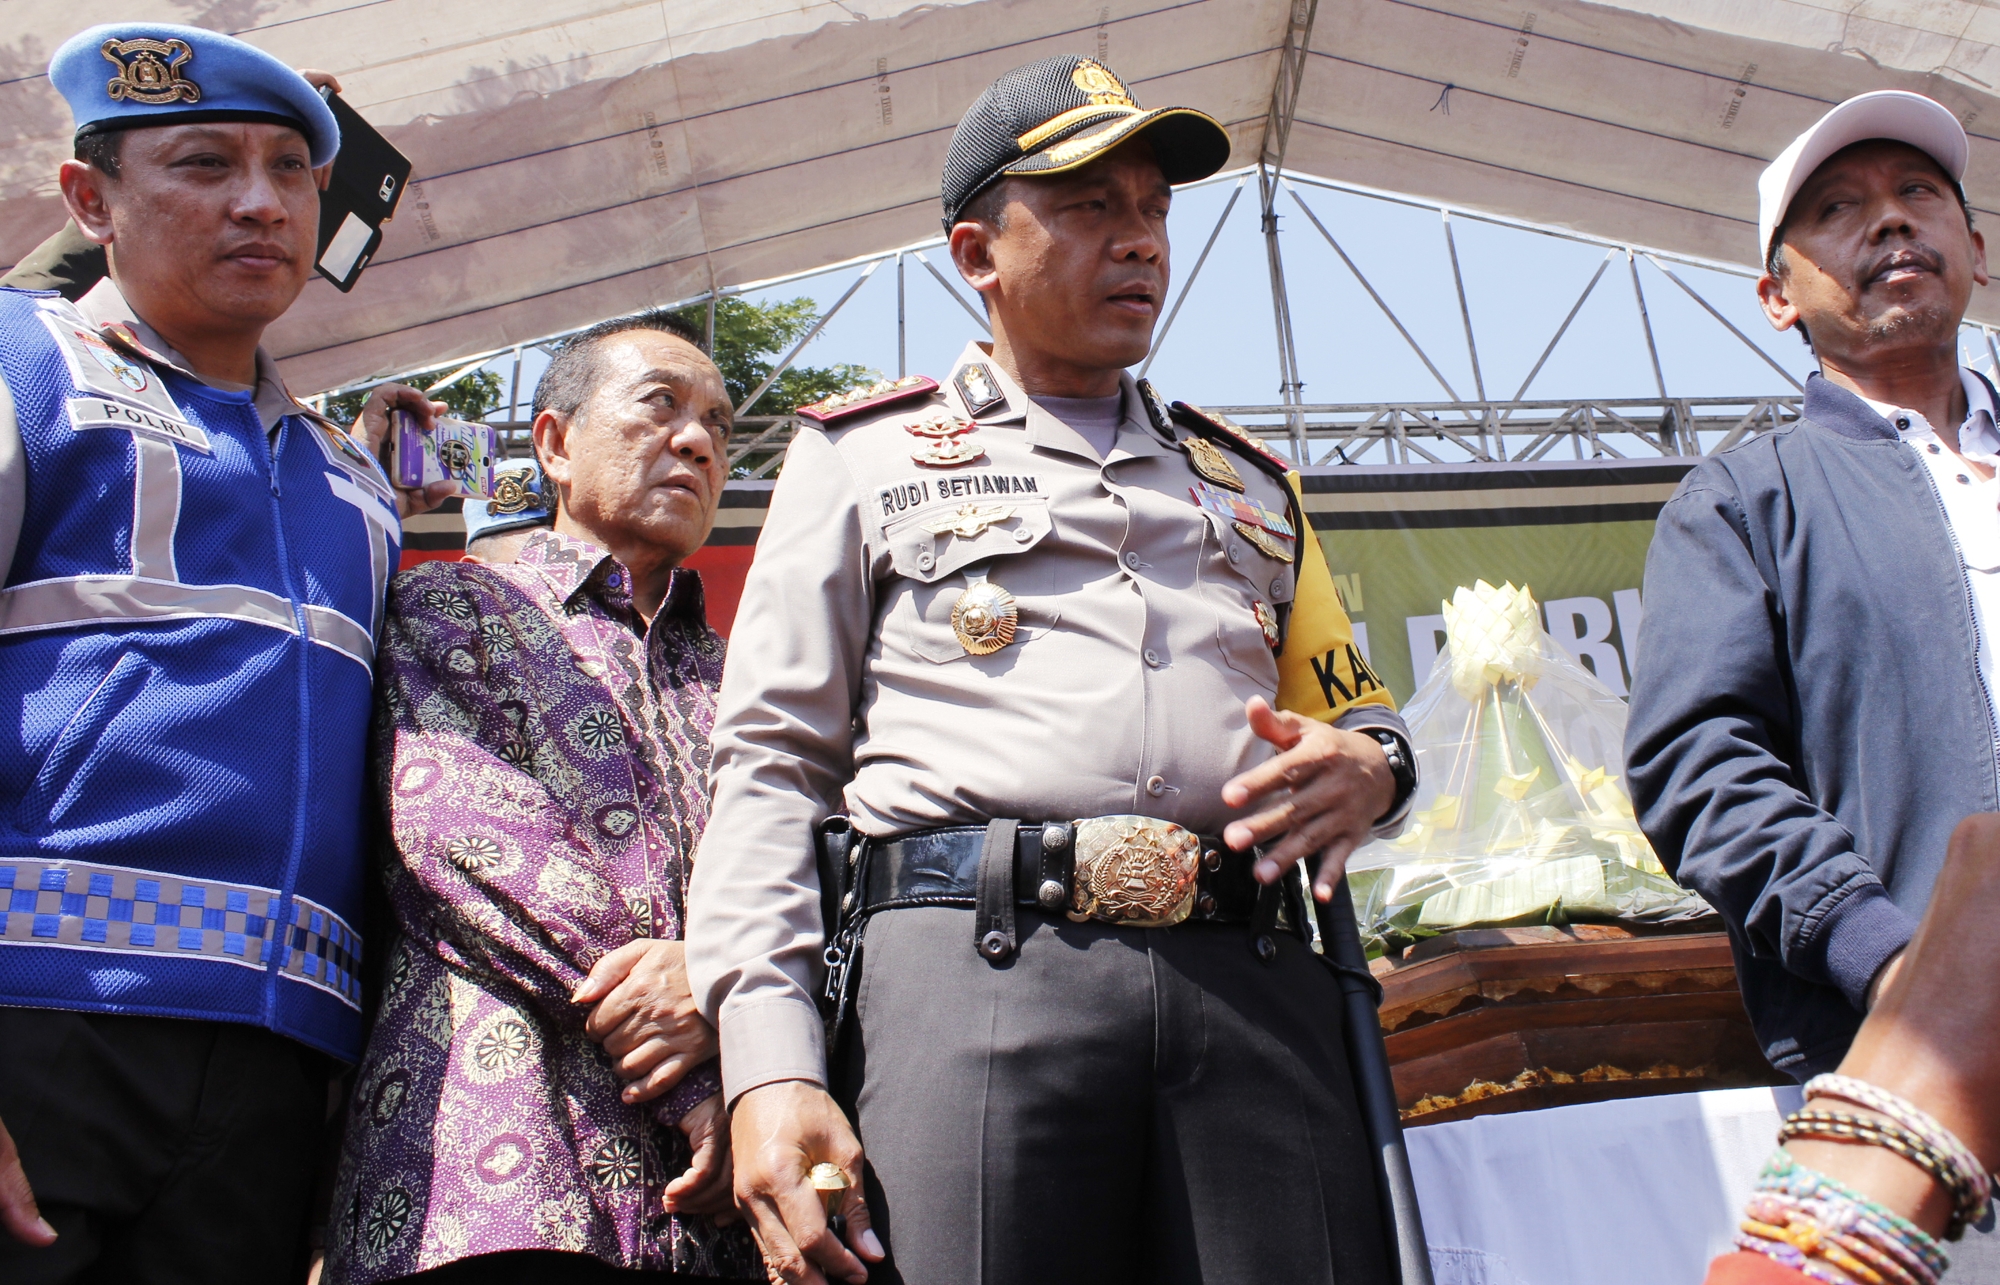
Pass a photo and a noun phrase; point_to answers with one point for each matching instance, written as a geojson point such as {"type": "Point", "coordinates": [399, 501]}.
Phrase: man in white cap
{"type": "Point", "coordinates": [1813, 710]}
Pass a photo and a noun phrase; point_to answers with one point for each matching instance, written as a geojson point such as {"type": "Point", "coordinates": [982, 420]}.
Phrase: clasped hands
{"type": "Point", "coordinates": [643, 1014]}
{"type": "Point", "coordinates": [1322, 792]}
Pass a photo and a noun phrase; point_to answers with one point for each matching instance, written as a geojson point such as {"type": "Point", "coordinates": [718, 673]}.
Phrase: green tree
{"type": "Point", "coordinates": [474, 397]}
{"type": "Point", "coordinates": [749, 339]}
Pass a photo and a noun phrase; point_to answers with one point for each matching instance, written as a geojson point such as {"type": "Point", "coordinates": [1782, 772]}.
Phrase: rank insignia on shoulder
{"type": "Point", "coordinates": [1184, 411]}
{"type": "Point", "coordinates": [979, 389]}
{"type": "Point", "coordinates": [886, 392]}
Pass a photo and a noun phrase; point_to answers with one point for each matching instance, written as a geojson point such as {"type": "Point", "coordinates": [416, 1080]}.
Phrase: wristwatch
{"type": "Point", "coordinates": [1403, 767]}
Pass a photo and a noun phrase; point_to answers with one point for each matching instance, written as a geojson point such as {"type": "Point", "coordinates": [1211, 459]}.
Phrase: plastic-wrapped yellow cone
{"type": "Point", "coordinates": [830, 1183]}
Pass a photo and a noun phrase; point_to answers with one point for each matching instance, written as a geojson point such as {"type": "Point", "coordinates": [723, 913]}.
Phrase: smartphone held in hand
{"type": "Point", "coordinates": [455, 451]}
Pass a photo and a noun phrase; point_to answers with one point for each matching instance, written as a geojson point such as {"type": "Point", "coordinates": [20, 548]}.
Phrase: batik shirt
{"type": "Point", "coordinates": [540, 758]}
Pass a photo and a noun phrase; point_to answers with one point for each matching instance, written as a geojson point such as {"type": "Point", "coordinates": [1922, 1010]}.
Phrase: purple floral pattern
{"type": "Point", "coordinates": [541, 758]}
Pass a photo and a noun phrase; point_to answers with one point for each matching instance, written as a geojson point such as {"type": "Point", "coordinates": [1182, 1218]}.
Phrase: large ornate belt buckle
{"type": "Point", "coordinates": [1135, 871]}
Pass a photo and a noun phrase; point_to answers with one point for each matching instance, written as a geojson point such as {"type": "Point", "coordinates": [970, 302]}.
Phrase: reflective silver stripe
{"type": "Point", "coordinates": [156, 506]}
{"type": "Point", "coordinates": [330, 628]}
{"type": "Point", "coordinates": [99, 600]}
{"type": "Point", "coordinates": [381, 517]}
{"type": "Point", "coordinates": [83, 905]}
{"type": "Point", "coordinates": [321, 950]}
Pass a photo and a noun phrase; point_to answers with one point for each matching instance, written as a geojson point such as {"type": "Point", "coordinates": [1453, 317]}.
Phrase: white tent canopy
{"type": "Point", "coordinates": [580, 158]}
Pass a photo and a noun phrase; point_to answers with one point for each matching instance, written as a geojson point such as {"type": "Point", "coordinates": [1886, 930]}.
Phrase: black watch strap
{"type": "Point", "coordinates": [1403, 766]}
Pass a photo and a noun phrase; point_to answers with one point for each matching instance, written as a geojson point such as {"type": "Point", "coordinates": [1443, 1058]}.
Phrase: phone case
{"type": "Point", "coordinates": [456, 451]}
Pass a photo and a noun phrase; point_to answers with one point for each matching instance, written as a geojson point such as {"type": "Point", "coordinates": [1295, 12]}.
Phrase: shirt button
{"type": "Point", "coordinates": [1024, 535]}
{"type": "Point", "coordinates": [1933, 448]}
{"type": "Point", "coordinates": [1235, 554]}
{"type": "Point", "coordinates": [1132, 561]}
{"type": "Point", "coordinates": [1278, 587]}
{"type": "Point", "coordinates": [1963, 478]}
{"type": "Point", "coordinates": [924, 561]}
{"type": "Point", "coordinates": [1152, 658]}
{"type": "Point", "coordinates": [1156, 785]}
{"type": "Point", "coordinates": [1902, 421]}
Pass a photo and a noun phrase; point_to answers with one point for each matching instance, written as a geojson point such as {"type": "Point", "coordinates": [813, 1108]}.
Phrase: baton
{"type": "Point", "coordinates": [1374, 1090]}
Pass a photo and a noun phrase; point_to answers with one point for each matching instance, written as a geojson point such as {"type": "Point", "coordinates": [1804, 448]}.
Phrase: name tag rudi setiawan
{"type": "Point", "coordinates": [105, 412]}
{"type": "Point", "coordinates": [920, 492]}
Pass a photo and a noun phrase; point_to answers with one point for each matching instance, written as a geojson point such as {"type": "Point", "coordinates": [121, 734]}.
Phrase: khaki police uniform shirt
{"type": "Point", "coordinates": [846, 689]}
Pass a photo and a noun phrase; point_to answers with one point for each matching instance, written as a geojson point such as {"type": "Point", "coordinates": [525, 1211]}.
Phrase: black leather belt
{"type": "Point", "coordinates": [943, 868]}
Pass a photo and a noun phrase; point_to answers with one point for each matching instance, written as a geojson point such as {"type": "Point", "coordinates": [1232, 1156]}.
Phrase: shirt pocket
{"type": "Point", "coordinates": [1236, 575]}
{"type": "Point", "coordinates": [933, 563]}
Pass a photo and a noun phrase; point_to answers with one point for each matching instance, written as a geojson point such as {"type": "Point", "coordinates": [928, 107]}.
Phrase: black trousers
{"type": "Point", "coordinates": [1110, 1105]}
{"type": "Point", "coordinates": [163, 1152]}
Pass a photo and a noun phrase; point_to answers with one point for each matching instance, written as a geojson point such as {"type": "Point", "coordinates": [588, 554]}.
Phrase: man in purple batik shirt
{"type": "Point", "coordinates": [539, 1098]}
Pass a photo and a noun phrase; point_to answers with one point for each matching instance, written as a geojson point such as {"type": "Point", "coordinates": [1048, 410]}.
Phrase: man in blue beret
{"type": "Point", "coordinates": [195, 567]}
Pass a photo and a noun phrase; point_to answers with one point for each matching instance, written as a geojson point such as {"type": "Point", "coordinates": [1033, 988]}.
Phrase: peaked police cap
{"type": "Point", "coordinates": [1060, 114]}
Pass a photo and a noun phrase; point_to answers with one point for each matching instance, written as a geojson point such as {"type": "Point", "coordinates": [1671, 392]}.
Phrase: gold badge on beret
{"type": "Point", "coordinates": [984, 617]}
{"type": "Point", "coordinates": [1211, 463]}
{"type": "Point", "coordinates": [149, 72]}
{"type": "Point", "coordinates": [1267, 544]}
{"type": "Point", "coordinates": [509, 495]}
{"type": "Point", "coordinates": [1267, 620]}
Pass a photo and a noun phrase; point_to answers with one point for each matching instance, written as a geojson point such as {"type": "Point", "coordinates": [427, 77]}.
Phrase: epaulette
{"type": "Point", "coordinates": [875, 396]}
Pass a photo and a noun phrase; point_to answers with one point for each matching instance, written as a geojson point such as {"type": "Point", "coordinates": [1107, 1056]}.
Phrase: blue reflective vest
{"type": "Point", "coordinates": [186, 653]}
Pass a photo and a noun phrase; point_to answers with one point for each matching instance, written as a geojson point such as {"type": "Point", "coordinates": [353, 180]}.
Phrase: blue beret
{"type": "Point", "coordinates": [518, 501]}
{"type": "Point", "coordinates": [129, 75]}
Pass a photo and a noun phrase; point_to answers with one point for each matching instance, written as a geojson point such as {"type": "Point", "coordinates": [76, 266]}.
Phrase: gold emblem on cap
{"type": "Point", "coordinates": [149, 71]}
{"type": "Point", "coordinates": [1103, 87]}
{"type": "Point", "coordinates": [984, 618]}
{"type": "Point", "coordinates": [1211, 463]}
{"type": "Point", "coordinates": [1267, 620]}
{"type": "Point", "coordinates": [970, 520]}
{"type": "Point", "coordinates": [1267, 544]}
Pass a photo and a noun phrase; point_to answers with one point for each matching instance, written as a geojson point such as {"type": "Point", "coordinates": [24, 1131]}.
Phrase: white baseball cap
{"type": "Point", "coordinates": [1923, 123]}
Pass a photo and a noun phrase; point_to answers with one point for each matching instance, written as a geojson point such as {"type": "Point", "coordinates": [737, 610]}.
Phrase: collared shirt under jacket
{"type": "Point", "coordinates": [540, 757]}
{"type": "Point", "coordinates": [1809, 720]}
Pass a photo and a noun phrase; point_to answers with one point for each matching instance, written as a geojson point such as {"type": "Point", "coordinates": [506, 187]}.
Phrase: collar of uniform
{"type": "Point", "coordinates": [105, 308]}
{"type": "Point", "coordinates": [1043, 428]}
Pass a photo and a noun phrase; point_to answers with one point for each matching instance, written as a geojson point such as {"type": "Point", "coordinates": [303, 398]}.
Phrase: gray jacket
{"type": "Point", "coordinates": [1808, 718]}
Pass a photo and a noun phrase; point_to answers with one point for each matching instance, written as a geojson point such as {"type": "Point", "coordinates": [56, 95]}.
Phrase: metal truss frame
{"type": "Point", "coordinates": [1479, 429]}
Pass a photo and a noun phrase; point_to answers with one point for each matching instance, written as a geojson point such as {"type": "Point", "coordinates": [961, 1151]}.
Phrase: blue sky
{"type": "Point", "coordinates": [1519, 285]}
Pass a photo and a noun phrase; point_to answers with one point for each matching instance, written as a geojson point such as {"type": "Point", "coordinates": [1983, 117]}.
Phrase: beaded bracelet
{"type": "Point", "coordinates": [1785, 1177]}
{"type": "Point", "coordinates": [1896, 1263]}
{"type": "Point", "coordinates": [1843, 1126]}
{"type": "Point", "coordinates": [1916, 1120]}
{"type": "Point", "coordinates": [1825, 1210]}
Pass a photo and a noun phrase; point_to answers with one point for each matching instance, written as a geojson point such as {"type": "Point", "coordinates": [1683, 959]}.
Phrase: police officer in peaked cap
{"type": "Point", "coordinates": [1039, 705]}
{"type": "Point", "coordinates": [194, 574]}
